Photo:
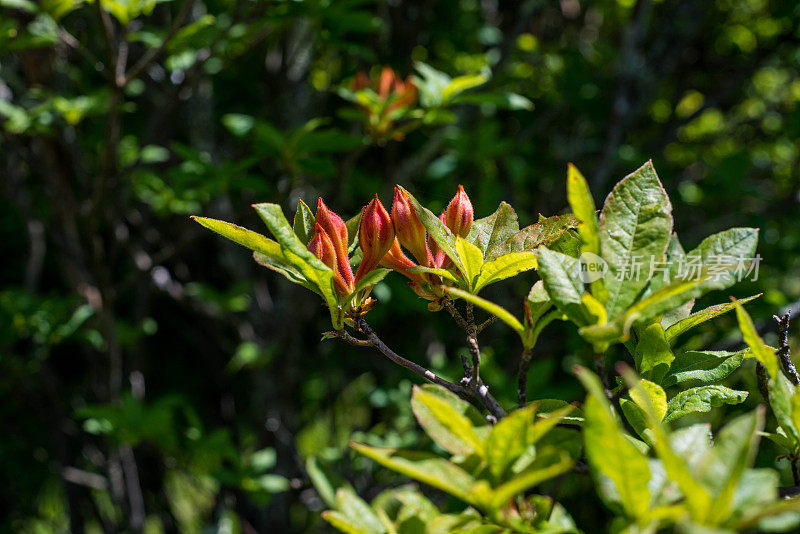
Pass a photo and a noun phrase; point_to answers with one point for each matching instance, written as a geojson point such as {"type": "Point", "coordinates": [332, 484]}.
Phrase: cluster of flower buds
{"type": "Point", "coordinates": [380, 237]}
{"type": "Point", "coordinates": [330, 243]}
{"type": "Point", "coordinates": [392, 97]}
{"type": "Point", "coordinates": [411, 234]}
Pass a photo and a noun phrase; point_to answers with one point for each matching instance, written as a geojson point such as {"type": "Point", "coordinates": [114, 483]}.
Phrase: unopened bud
{"type": "Point", "coordinates": [409, 229]}
{"type": "Point", "coordinates": [460, 214]}
{"type": "Point", "coordinates": [375, 236]}
{"type": "Point", "coordinates": [437, 253]}
{"type": "Point", "coordinates": [322, 247]}
{"type": "Point", "coordinates": [337, 231]}
{"type": "Point", "coordinates": [385, 82]}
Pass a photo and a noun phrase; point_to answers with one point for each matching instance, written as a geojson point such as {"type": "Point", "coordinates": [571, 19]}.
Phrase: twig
{"type": "Point", "coordinates": [488, 322]}
{"type": "Point", "coordinates": [459, 319]}
{"type": "Point", "coordinates": [477, 392]}
{"type": "Point", "coordinates": [522, 377]}
{"type": "Point", "coordinates": [761, 374]}
{"type": "Point", "coordinates": [784, 352]}
{"type": "Point", "coordinates": [600, 367]}
{"type": "Point", "coordinates": [475, 352]}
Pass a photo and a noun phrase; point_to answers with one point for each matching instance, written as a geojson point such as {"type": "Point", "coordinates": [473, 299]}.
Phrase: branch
{"type": "Point", "coordinates": [153, 53]}
{"type": "Point", "coordinates": [784, 352]}
{"type": "Point", "coordinates": [476, 392]}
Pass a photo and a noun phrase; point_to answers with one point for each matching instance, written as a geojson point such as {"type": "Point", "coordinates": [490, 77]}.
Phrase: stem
{"type": "Point", "coordinates": [480, 393]}
{"type": "Point", "coordinates": [761, 374]}
{"type": "Point", "coordinates": [600, 367]}
{"type": "Point", "coordinates": [784, 352]}
{"type": "Point", "coordinates": [522, 376]}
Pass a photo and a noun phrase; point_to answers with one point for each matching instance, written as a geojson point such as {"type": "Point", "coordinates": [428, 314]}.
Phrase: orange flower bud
{"type": "Point", "coordinates": [409, 229]}
{"type": "Point", "coordinates": [459, 213]}
{"type": "Point", "coordinates": [322, 247]}
{"type": "Point", "coordinates": [386, 82]}
{"type": "Point", "coordinates": [396, 260]}
{"type": "Point", "coordinates": [337, 231]}
{"type": "Point", "coordinates": [375, 236]}
{"type": "Point", "coordinates": [437, 254]}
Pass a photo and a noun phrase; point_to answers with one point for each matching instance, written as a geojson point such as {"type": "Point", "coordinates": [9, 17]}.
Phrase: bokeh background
{"type": "Point", "coordinates": [154, 378]}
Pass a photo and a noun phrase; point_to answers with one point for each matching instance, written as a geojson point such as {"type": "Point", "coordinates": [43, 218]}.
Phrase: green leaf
{"type": "Point", "coordinates": [368, 280]}
{"type": "Point", "coordinates": [471, 259]}
{"type": "Point", "coordinates": [781, 400]}
{"type": "Point", "coordinates": [504, 267]}
{"type": "Point", "coordinates": [460, 84]}
{"type": "Point", "coordinates": [698, 499]}
{"type": "Point", "coordinates": [635, 226]}
{"type": "Point", "coordinates": [299, 256]}
{"type": "Point", "coordinates": [303, 222]}
{"type": "Point", "coordinates": [538, 302]}
{"type": "Point", "coordinates": [437, 231]}
{"type": "Point", "coordinates": [611, 454]}
{"type": "Point", "coordinates": [702, 316]}
{"type": "Point", "coordinates": [561, 277]}
{"type": "Point", "coordinates": [544, 232]}
{"type": "Point", "coordinates": [498, 311]}
{"type": "Point", "coordinates": [352, 231]}
{"type": "Point", "coordinates": [651, 393]}
{"type": "Point", "coordinates": [444, 273]}
{"type": "Point", "coordinates": [701, 399]}
{"type": "Point", "coordinates": [734, 450]}
{"type": "Point", "coordinates": [266, 251]}
{"type": "Point", "coordinates": [322, 480]}
{"type": "Point", "coordinates": [529, 477]}
{"type": "Point", "coordinates": [761, 352]}
{"type": "Point", "coordinates": [653, 354]}
{"type": "Point", "coordinates": [703, 366]}
{"type": "Point", "coordinates": [357, 511]}
{"type": "Point", "coordinates": [582, 204]}
{"type": "Point", "coordinates": [445, 423]}
{"type": "Point", "coordinates": [344, 524]}
{"type": "Point", "coordinates": [513, 435]}
{"type": "Point", "coordinates": [720, 254]}
{"type": "Point", "coordinates": [491, 231]}
{"type": "Point", "coordinates": [424, 467]}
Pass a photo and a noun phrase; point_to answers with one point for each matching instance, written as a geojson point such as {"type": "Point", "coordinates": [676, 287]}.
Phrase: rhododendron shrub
{"type": "Point", "coordinates": [624, 280]}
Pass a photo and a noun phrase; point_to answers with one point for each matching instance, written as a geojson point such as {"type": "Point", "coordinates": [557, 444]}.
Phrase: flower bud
{"type": "Point", "coordinates": [337, 232]}
{"type": "Point", "coordinates": [396, 260]}
{"type": "Point", "coordinates": [322, 247]}
{"type": "Point", "coordinates": [375, 236]}
{"type": "Point", "coordinates": [438, 256]}
{"type": "Point", "coordinates": [460, 214]}
{"type": "Point", "coordinates": [361, 81]}
{"type": "Point", "coordinates": [409, 229]}
{"type": "Point", "coordinates": [386, 82]}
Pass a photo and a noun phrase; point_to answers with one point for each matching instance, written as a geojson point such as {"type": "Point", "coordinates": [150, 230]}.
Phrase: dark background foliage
{"type": "Point", "coordinates": [153, 377]}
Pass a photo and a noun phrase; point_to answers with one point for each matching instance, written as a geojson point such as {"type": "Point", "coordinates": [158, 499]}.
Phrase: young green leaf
{"type": "Point", "coordinates": [653, 354]}
{"type": "Point", "coordinates": [444, 273]}
{"type": "Point", "coordinates": [529, 477]}
{"type": "Point", "coordinates": [611, 454]}
{"type": "Point", "coordinates": [761, 352]}
{"type": "Point", "coordinates": [303, 224]}
{"type": "Point", "coordinates": [561, 277]}
{"type": "Point", "coordinates": [490, 231]}
{"type": "Point", "coordinates": [702, 316]}
{"type": "Point", "coordinates": [503, 267]}
{"type": "Point", "coordinates": [424, 467]}
{"type": "Point", "coordinates": [582, 204]}
{"type": "Point", "coordinates": [635, 227]}
{"type": "Point", "coordinates": [357, 511]}
{"type": "Point", "coordinates": [703, 366]}
{"type": "Point", "coordinates": [544, 232]}
{"type": "Point", "coordinates": [445, 423]}
{"type": "Point", "coordinates": [471, 260]}
{"type": "Point", "coordinates": [701, 399]}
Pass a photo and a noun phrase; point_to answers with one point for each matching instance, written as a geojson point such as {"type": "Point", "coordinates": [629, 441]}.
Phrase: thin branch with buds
{"type": "Point", "coordinates": [784, 352]}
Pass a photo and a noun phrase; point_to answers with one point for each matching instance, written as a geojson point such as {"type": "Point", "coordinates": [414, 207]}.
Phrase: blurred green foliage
{"type": "Point", "coordinates": [154, 378]}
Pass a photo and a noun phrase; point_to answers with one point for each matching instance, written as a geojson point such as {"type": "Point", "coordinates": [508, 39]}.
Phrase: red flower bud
{"type": "Point", "coordinates": [459, 213]}
{"type": "Point", "coordinates": [337, 231]}
{"type": "Point", "coordinates": [409, 229]}
{"type": "Point", "coordinates": [322, 247]}
{"type": "Point", "coordinates": [375, 236]}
